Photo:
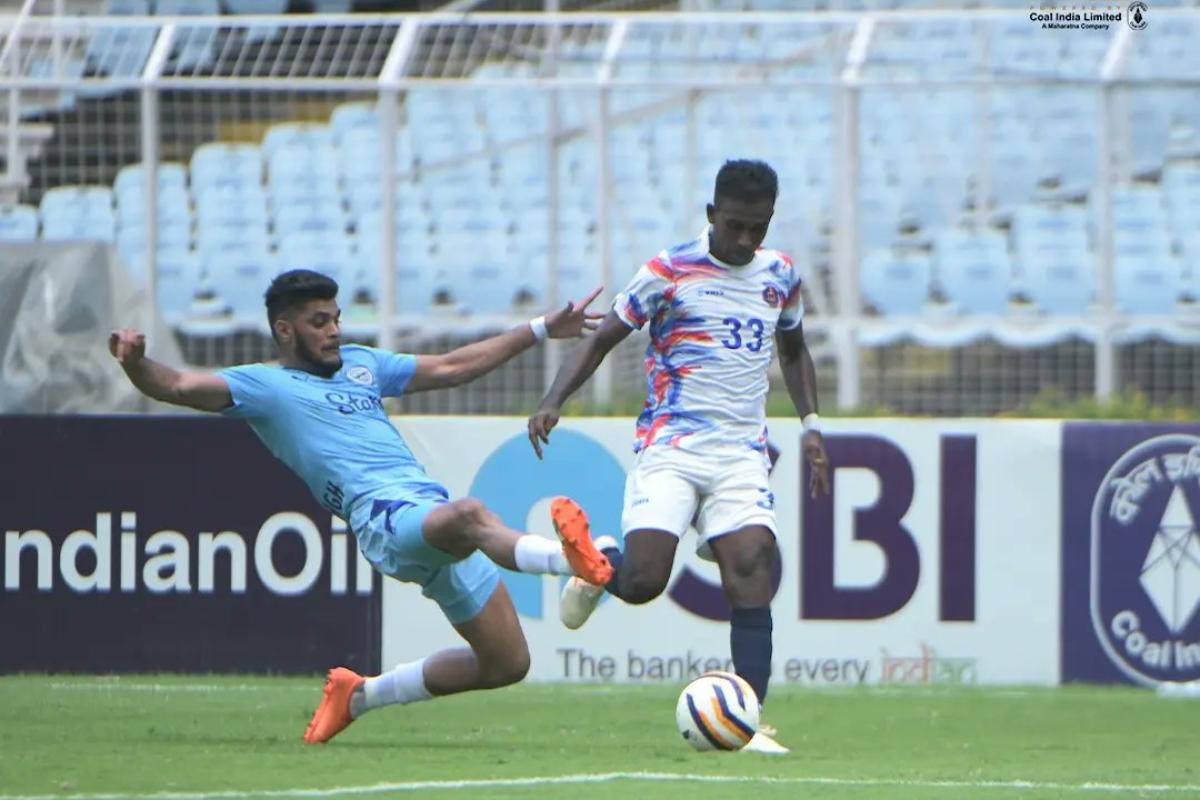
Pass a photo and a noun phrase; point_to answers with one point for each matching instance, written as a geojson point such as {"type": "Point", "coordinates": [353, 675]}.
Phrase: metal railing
{"type": "Point", "coordinates": [597, 76]}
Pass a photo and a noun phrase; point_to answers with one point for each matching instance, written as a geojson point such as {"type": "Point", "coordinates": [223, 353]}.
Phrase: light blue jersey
{"type": "Point", "coordinates": [334, 432]}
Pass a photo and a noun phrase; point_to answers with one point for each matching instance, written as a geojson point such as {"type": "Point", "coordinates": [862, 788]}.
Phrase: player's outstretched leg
{"type": "Point", "coordinates": [463, 526]}
{"type": "Point", "coordinates": [333, 714]}
{"type": "Point", "coordinates": [571, 525]}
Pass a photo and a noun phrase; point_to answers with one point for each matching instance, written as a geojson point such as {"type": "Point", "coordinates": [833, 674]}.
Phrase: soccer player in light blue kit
{"type": "Point", "coordinates": [320, 411]}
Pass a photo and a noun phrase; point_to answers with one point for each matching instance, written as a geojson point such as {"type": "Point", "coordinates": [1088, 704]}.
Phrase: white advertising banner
{"type": "Point", "coordinates": [935, 560]}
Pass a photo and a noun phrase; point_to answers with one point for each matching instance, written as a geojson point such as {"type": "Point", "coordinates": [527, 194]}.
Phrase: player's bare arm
{"type": "Point", "coordinates": [800, 377]}
{"type": "Point", "coordinates": [465, 364]}
{"type": "Point", "coordinates": [197, 390]}
{"type": "Point", "coordinates": [578, 367]}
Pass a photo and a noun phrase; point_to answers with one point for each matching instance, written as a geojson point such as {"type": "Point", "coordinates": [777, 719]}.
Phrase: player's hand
{"type": "Point", "coordinates": [127, 345]}
{"type": "Point", "coordinates": [540, 425]}
{"type": "Point", "coordinates": [814, 452]}
{"type": "Point", "coordinates": [572, 321]}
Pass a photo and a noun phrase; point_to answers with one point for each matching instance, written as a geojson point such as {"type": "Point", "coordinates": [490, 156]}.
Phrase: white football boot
{"type": "Point", "coordinates": [764, 742]}
{"type": "Point", "coordinates": [579, 598]}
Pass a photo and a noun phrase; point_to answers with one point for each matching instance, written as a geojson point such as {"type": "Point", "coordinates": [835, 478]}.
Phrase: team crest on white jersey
{"type": "Point", "coordinates": [360, 374]}
{"type": "Point", "coordinates": [771, 296]}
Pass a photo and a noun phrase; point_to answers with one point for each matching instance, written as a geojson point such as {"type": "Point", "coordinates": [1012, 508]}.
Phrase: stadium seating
{"type": "Point", "coordinates": [896, 282]}
{"type": "Point", "coordinates": [18, 223]}
{"type": "Point", "coordinates": [1147, 278]}
{"type": "Point", "coordinates": [919, 168]}
{"type": "Point", "coordinates": [974, 271]}
{"type": "Point", "coordinates": [1059, 279]}
{"type": "Point", "coordinates": [78, 213]}
{"type": "Point", "coordinates": [179, 279]}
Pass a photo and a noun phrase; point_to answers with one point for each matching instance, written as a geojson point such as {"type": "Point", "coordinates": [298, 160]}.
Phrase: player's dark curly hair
{"type": "Point", "coordinates": [747, 181]}
{"type": "Point", "coordinates": [294, 288]}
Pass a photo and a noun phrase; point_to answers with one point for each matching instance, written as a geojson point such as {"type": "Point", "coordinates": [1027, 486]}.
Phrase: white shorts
{"type": "Point", "coordinates": [670, 489]}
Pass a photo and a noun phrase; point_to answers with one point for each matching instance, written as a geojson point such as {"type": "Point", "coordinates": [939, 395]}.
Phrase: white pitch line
{"type": "Point", "coordinates": [180, 687]}
{"type": "Point", "coordinates": [607, 777]}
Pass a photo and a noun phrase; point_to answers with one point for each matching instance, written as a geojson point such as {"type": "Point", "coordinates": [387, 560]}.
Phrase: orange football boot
{"type": "Point", "coordinates": [333, 715]}
{"type": "Point", "coordinates": [571, 525]}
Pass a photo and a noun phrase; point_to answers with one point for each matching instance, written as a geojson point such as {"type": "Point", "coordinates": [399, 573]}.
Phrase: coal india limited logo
{"type": "Point", "coordinates": [1136, 15]}
{"type": "Point", "coordinates": [1145, 561]}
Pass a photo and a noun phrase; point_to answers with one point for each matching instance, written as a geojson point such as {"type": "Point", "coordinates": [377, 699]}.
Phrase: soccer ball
{"type": "Point", "coordinates": [717, 711]}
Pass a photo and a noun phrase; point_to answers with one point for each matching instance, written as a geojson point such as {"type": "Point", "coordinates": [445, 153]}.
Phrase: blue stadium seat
{"type": "Point", "coordinates": [297, 135]}
{"type": "Point", "coordinates": [1145, 282]}
{"type": "Point", "coordinates": [18, 223]}
{"type": "Point", "coordinates": [879, 214]}
{"type": "Point", "coordinates": [71, 213]}
{"type": "Point", "coordinates": [326, 255]}
{"type": "Point", "coordinates": [974, 270]}
{"type": "Point", "coordinates": [256, 6]}
{"type": "Point", "coordinates": [1059, 280]}
{"type": "Point", "coordinates": [226, 166]}
{"type": "Point", "coordinates": [418, 279]}
{"type": "Point", "coordinates": [1038, 225]}
{"type": "Point", "coordinates": [1014, 172]}
{"type": "Point", "coordinates": [896, 282]}
{"type": "Point", "coordinates": [172, 232]}
{"type": "Point", "coordinates": [198, 8]}
{"type": "Point", "coordinates": [239, 275]}
{"type": "Point", "coordinates": [354, 116]}
{"type": "Point", "coordinates": [230, 215]}
{"type": "Point", "coordinates": [1181, 190]}
{"type": "Point", "coordinates": [171, 176]}
{"type": "Point", "coordinates": [178, 279]}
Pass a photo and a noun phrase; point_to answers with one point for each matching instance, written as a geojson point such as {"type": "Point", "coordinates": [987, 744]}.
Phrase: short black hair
{"type": "Point", "coordinates": [746, 180]}
{"type": "Point", "coordinates": [294, 288]}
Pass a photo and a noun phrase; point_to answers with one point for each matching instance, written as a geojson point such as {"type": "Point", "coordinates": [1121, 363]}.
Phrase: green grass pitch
{"type": "Point", "coordinates": [218, 737]}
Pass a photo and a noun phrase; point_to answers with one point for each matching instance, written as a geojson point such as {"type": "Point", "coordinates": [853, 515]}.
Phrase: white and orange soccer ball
{"type": "Point", "coordinates": [717, 711]}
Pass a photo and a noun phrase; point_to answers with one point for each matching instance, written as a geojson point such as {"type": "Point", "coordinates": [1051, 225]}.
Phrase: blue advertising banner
{"type": "Point", "coordinates": [171, 544]}
{"type": "Point", "coordinates": [1130, 553]}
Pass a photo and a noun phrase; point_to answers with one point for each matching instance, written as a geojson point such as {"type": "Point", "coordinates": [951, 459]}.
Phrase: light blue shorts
{"type": "Point", "coordinates": [392, 541]}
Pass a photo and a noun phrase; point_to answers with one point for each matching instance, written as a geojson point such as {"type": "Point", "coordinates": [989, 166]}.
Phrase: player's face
{"type": "Point", "coordinates": [317, 337]}
{"type": "Point", "coordinates": [738, 228]}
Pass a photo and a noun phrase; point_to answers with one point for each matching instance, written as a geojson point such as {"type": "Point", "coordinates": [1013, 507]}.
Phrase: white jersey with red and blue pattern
{"type": "Point", "coordinates": [712, 336]}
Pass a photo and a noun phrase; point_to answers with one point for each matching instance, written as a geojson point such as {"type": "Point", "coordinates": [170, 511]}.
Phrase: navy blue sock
{"type": "Point", "coordinates": [615, 557]}
{"type": "Point", "coordinates": [750, 646]}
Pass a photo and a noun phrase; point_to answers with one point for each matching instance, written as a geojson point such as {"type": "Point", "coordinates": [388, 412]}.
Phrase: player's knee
{"type": "Point", "coordinates": [470, 515]}
{"type": "Point", "coordinates": [753, 562]}
{"type": "Point", "coordinates": [747, 576]}
{"type": "Point", "coordinates": [642, 586]}
{"type": "Point", "coordinates": [508, 669]}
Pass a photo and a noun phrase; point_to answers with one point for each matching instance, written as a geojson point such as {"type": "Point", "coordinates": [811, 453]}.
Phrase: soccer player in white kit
{"type": "Point", "coordinates": [718, 307]}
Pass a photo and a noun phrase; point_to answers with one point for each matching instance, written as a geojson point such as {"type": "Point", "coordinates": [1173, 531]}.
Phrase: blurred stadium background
{"type": "Point", "coordinates": [989, 212]}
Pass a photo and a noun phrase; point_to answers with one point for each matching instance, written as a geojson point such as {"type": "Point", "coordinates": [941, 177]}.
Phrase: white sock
{"type": "Point", "coordinates": [540, 555]}
{"type": "Point", "coordinates": [404, 684]}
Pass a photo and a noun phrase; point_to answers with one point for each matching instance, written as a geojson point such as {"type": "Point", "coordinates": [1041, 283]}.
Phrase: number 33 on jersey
{"type": "Point", "coordinates": [712, 329]}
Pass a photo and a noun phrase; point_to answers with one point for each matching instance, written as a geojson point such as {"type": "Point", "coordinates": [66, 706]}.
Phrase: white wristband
{"type": "Point", "coordinates": [538, 326]}
{"type": "Point", "coordinates": [812, 422]}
